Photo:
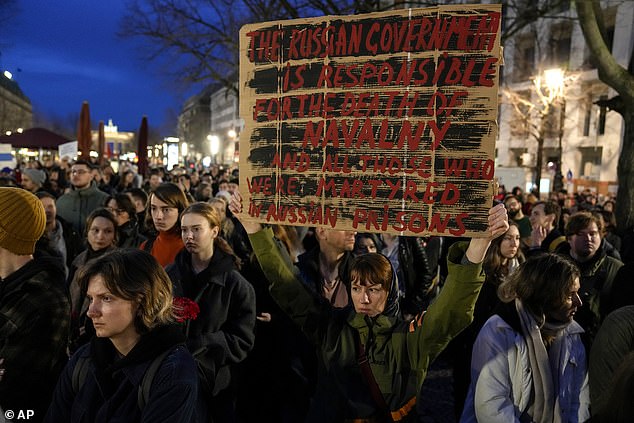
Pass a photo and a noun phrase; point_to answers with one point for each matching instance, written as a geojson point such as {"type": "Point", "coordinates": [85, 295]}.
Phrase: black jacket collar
{"type": "Point", "coordinates": [149, 346]}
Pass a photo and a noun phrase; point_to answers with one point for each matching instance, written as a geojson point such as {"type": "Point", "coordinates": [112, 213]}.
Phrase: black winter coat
{"type": "Point", "coordinates": [110, 390]}
{"type": "Point", "coordinates": [34, 322]}
{"type": "Point", "coordinates": [129, 235]}
{"type": "Point", "coordinates": [223, 332]}
{"type": "Point", "coordinates": [417, 274]}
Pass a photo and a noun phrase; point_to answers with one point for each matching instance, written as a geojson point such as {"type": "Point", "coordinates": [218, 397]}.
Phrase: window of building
{"type": "Point", "coordinates": [590, 162]}
{"type": "Point", "coordinates": [524, 57]}
{"type": "Point", "coordinates": [610, 21]}
{"type": "Point", "coordinates": [602, 114]}
{"type": "Point", "coordinates": [551, 158]}
{"type": "Point", "coordinates": [520, 156]}
{"type": "Point", "coordinates": [560, 6]}
{"type": "Point", "coordinates": [559, 43]}
{"type": "Point", "coordinates": [587, 116]}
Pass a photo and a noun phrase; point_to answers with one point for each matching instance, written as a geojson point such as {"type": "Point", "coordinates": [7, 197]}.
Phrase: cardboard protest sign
{"type": "Point", "coordinates": [384, 122]}
{"type": "Point", "coordinates": [68, 150]}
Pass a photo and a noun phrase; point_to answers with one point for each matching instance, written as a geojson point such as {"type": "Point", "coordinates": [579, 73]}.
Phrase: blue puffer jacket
{"type": "Point", "coordinates": [110, 391]}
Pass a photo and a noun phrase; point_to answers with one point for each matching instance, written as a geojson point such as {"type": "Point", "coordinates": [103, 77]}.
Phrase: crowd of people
{"type": "Point", "coordinates": [125, 298]}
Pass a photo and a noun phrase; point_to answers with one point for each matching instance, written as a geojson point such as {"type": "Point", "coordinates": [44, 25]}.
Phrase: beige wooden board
{"type": "Point", "coordinates": [384, 122]}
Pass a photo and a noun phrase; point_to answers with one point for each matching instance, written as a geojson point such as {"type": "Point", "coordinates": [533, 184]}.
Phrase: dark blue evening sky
{"type": "Point", "coordinates": [67, 52]}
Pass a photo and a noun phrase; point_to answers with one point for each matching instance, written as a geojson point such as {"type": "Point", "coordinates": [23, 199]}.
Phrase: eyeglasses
{"type": "Point", "coordinates": [78, 171]}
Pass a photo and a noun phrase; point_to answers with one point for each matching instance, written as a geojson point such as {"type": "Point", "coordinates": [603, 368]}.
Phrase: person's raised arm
{"type": "Point", "coordinates": [498, 225]}
{"type": "Point", "coordinates": [452, 310]}
{"type": "Point", "coordinates": [286, 286]}
{"type": "Point", "coordinates": [235, 206]}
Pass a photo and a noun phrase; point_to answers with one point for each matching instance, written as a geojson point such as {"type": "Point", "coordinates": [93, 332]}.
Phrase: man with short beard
{"type": "Point", "coordinates": [85, 196]}
{"type": "Point", "coordinates": [514, 209]}
{"type": "Point", "coordinates": [598, 271]}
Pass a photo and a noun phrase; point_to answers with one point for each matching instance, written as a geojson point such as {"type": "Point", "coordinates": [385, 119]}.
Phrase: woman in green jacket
{"type": "Point", "coordinates": [398, 353]}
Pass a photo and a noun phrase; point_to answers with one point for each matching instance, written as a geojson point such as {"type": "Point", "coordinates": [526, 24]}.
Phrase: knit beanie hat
{"type": "Point", "coordinates": [22, 220]}
{"type": "Point", "coordinates": [36, 175]}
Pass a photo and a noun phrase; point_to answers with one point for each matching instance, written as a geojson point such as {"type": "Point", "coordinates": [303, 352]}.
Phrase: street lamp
{"type": "Point", "coordinates": [184, 151]}
{"type": "Point", "coordinates": [549, 87]}
{"type": "Point", "coordinates": [214, 146]}
{"type": "Point", "coordinates": [233, 138]}
{"type": "Point", "coordinates": [555, 82]}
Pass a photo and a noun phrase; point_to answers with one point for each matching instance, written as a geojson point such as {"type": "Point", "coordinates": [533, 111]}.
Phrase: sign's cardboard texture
{"type": "Point", "coordinates": [384, 122]}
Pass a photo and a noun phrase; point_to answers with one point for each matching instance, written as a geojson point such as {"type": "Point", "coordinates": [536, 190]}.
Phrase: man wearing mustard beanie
{"type": "Point", "coordinates": [34, 307]}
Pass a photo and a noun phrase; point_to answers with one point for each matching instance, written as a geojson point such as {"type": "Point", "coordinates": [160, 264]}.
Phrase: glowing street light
{"type": "Point", "coordinates": [554, 82]}
{"type": "Point", "coordinates": [550, 88]}
{"type": "Point", "coordinates": [214, 144]}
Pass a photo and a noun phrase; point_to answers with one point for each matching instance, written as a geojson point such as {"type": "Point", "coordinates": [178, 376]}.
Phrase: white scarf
{"type": "Point", "coordinates": [545, 406]}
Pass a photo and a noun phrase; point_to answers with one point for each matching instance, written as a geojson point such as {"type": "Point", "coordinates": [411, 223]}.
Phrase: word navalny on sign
{"type": "Point", "coordinates": [384, 122]}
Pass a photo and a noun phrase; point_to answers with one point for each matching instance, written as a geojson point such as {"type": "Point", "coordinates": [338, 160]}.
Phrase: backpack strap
{"type": "Point", "coordinates": [143, 394]}
{"type": "Point", "coordinates": [79, 374]}
{"type": "Point", "coordinates": [556, 243]}
{"type": "Point", "coordinates": [385, 415]}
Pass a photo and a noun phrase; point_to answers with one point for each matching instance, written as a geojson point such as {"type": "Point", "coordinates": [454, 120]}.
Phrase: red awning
{"type": "Point", "coordinates": [34, 138]}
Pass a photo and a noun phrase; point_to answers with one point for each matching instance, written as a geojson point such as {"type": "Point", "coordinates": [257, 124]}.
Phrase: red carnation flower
{"type": "Point", "coordinates": [185, 309]}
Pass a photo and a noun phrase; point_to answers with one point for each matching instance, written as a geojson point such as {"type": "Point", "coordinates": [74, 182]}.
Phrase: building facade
{"type": "Point", "coordinates": [585, 135]}
{"type": "Point", "coordinates": [194, 124]}
{"type": "Point", "coordinates": [118, 143]}
{"type": "Point", "coordinates": [16, 112]}
{"type": "Point", "coordinates": [226, 126]}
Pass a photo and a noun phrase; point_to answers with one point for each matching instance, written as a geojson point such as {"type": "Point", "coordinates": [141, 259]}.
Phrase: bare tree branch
{"type": "Point", "coordinates": [610, 71]}
{"type": "Point", "coordinates": [619, 78]}
{"type": "Point", "coordinates": [198, 41]}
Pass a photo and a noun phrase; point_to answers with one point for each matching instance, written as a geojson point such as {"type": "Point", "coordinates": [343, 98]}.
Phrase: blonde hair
{"type": "Point", "coordinates": [207, 211]}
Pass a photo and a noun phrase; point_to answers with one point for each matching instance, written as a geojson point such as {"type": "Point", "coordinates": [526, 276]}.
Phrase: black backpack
{"type": "Point", "coordinates": [83, 364]}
